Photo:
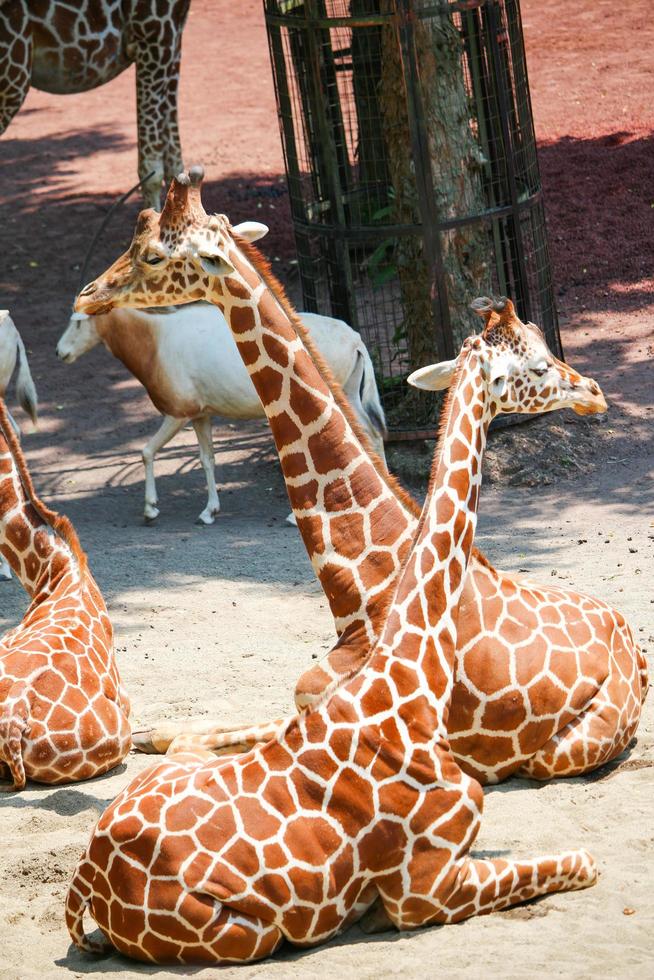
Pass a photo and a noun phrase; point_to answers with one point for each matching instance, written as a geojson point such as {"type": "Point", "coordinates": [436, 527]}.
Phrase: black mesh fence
{"type": "Point", "coordinates": [412, 173]}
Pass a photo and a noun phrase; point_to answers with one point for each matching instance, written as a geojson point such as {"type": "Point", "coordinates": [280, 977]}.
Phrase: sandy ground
{"type": "Point", "coordinates": [222, 620]}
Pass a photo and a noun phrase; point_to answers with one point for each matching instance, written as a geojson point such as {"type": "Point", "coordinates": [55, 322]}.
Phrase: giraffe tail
{"type": "Point", "coordinates": [78, 900]}
{"type": "Point", "coordinates": [643, 671]}
{"type": "Point", "coordinates": [13, 723]}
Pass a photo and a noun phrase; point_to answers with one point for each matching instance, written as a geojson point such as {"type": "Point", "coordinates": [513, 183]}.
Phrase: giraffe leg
{"type": "Point", "coordinates": [15, 60]}
{"type": "Point", "coordinates": [204, 436]}
{"type": "Point", "coordinates": [12, 727]}
{"type": "Point", "coordinates": [227, 742]}
{"type": "Point", "coordinates": [211, 931]}
{"type": "Point", "coordinates": [167, 737]}
{"type": "Point", "coordinates": [478, 887]}
{"type": "Point", "coordinates": [593, 738]}
{"type": "Point", "coordinates": [168, 428]}
{"type": "Point", "coordinates": [157, 53]}
{"type": "Point", "coordinates": [172, 148]}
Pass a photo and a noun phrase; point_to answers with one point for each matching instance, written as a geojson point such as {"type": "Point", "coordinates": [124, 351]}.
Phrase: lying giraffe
{"type": "Point", "coordinates": [547, 682]}
{"type": "Point", "coordinates": [63, 713]}
{"type": "Point", "coordinates": [359, 800]}
{"type": "Point", "coordinates": [63, 47]}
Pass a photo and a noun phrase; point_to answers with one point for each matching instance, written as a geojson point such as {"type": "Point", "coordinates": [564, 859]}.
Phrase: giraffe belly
{"type": "Point", "coordinates": [70, 70]}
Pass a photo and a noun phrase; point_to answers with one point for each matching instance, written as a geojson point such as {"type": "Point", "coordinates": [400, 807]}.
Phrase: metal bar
{"type": "Point", "coordinates": [493, 46]}
{"type": "Point", "coordinates": [362, 232]}
{"type": "Point", "coordinates": [340, 279]}
{"type": "Point", "coordinates": [293, 172]}
{"type": "Point", "coordinates": [372, 20]}
{"type": "Point", "coordinates": [424, 178]}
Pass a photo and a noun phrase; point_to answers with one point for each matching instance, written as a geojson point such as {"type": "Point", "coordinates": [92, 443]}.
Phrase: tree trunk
{"type": "Point", "coordinates": [457, 185]}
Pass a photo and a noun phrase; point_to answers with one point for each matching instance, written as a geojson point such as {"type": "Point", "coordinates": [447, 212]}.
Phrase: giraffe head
{"type": "Point", "coordinates": [520, 371]}
{"type": "Point", "coordinates": [175, 257]}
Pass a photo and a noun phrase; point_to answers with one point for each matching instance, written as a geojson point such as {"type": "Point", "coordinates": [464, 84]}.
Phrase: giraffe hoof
{"type": "Point", "coordinates": [150, 514]}
{"type": "Point", "coordinates": [146, 741]}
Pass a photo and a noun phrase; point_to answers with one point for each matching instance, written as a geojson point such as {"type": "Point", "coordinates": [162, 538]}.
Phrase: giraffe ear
{"type": "Point", "coordinates": [214, 261]}
{"type": "Point", "coordinates": [251, 231]}
{"type": "Point", "coordinates": [434, 377]}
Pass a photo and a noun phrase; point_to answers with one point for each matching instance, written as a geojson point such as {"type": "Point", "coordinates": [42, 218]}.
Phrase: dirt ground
{"type": "Point", "coordinates": [220, 621]}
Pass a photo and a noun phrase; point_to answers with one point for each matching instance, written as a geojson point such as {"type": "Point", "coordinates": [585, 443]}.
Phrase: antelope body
{"type": "Point", "coordinates": [187, 360]}
{"type": "Point", "coordinates": [12, 350]}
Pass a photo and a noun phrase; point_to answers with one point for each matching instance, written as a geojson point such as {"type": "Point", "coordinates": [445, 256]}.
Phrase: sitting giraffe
{"type": "Point", "coordinates": [547, 682]}
{"type": "Point", "coordinates": [359, 802]}
{"type": "Point", "coordinates": [64, 48]}
{"type": "Point", "coordinates": [63, 713]}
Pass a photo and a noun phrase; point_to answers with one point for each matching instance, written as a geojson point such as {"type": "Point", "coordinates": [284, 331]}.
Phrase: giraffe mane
{"type": "Point", "coordinates": [58, 522]}
{"type": "Point", "coordinates": [263, 268]}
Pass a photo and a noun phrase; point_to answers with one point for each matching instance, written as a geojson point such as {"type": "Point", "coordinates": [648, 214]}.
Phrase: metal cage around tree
{"type": "Point", "coordinates": [412, 173]}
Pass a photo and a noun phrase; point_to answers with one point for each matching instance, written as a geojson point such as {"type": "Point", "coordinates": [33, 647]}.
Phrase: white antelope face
{"type": "Point", "coordinates": [81, 335]}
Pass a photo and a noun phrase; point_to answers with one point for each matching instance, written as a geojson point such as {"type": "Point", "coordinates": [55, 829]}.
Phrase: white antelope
{"type": "Point", "coordinates": [186, 359]}
{"type": "Point", "coordinates": [12, 349]}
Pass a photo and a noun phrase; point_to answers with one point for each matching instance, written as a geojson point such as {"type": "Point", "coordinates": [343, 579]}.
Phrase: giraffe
{"type": "Point", "coordinates": [66, 48]}
{"type": "Point", "coordinates": [63, 713]}
{"type": "Point", "coordinates": [359, 805]}
{"type": "Point", "coordinates": [547, 682]}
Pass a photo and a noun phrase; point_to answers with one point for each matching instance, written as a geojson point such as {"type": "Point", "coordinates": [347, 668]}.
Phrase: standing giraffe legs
{"type": "Point", "coordinates": [168, 428]}
{"type": "Point", "coordinates": [204, 436]}
{"type": "Point", "coordinates": [157, 55]}
{"type": "Point", "coordinates": [15, 60]}
{"type": "Point", "coordinates": [172, 147]}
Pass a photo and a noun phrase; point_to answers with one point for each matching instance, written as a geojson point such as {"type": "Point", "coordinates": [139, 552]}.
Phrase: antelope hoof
{"type": "Point", "coordinates": [208, 515]}
{"type": "Point", "coordinates": [291, 520]}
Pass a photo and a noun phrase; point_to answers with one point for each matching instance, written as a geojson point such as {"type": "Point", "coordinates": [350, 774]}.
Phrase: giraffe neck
{"type": "Point", "coordinates": [353, 523]}
{"type": "Point", "coordinates": [419, 639]}
{"type": "Point", "coordinates": [37, 554]}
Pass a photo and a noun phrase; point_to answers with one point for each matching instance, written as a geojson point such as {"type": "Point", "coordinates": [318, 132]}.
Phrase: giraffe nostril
{"type": "Point", "coordinates": [88, 289]}
{"type": "Point", "coordinates": [594, 388]}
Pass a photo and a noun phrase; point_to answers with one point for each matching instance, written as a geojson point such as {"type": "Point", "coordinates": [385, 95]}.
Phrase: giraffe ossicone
{"type": "Point", "coordinates": [549, 682]}
{"type": "Point", "coordinates": [358, 806]}
{"type": "Point", "coordinates": [63, 712]}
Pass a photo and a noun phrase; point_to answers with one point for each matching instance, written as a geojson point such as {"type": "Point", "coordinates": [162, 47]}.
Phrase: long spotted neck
{"type": "Point", "coordinates": [417, 649]}
{"type": "Point", "coordinates": [354, 528]}
{"type": "Point", "coordinates": [38, 556]}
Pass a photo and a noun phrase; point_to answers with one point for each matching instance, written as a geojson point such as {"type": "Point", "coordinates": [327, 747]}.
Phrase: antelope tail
{"type": "Point", "coordinates": [25, 390]}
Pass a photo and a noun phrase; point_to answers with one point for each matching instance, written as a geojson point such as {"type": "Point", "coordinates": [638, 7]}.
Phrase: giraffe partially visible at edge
{"type": "Point", "coordinates": [63, 711]}
{"type": "Point", "coordinates": [67, 48]}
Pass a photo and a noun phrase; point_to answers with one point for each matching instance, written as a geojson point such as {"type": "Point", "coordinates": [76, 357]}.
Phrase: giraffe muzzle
{"type": "Point", "coordinates": [592, 401]}
{"type": "Point", "coordinates": [90, 301]}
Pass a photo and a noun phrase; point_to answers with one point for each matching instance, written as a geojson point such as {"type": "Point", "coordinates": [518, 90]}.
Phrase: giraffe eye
{"type": "Point", "coordinates": [154, 259]}
{"type": "Point", "coordinates": [539, 369]}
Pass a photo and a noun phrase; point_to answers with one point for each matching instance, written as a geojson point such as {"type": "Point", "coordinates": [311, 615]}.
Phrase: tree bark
{"type": "Point", "coordinates": [456, 164]}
